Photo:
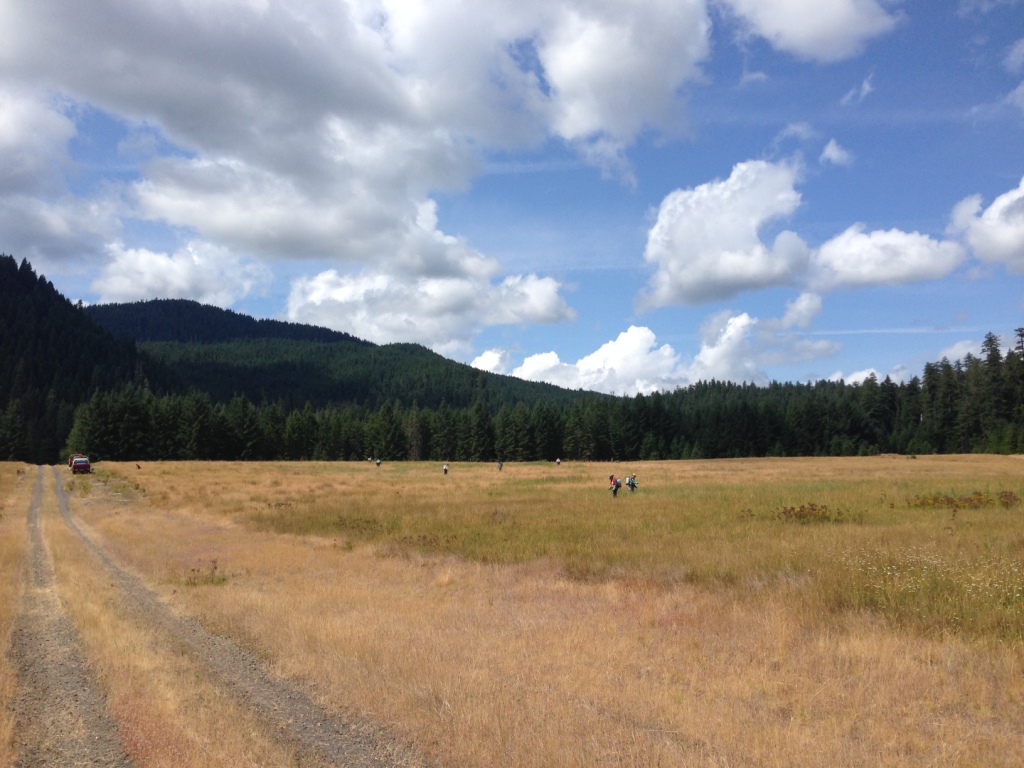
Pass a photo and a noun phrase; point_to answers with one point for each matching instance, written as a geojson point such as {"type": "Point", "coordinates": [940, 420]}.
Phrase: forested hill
{"type": "Point", "coordinates": [52, 359]}
{"type": "Point", "coordinates": [67, 384]}
{"type": "Point", "coordinates": [226, 354]}
{"type": "Point", "coordinates": [189, 322]}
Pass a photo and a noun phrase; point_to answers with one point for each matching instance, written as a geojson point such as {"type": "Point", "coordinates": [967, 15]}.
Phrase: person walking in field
{"type": "Point", "coordinates": [446, 469]}
{"type": "Point", "coordinates": [613, 485]}
{"type": "Point", "coordinates": [631, 482]}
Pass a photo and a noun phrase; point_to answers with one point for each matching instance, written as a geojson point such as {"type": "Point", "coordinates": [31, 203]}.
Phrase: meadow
{"type": "Point", "coordinates": [14, 500]}
{"type": "Point", "coordinates": [778, 612]}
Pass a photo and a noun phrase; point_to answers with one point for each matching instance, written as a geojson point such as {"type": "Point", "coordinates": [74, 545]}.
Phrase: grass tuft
{"type": "Point", "coordinates": [975, 500]}
{"type": "Point", "coordinates": [811, 513]}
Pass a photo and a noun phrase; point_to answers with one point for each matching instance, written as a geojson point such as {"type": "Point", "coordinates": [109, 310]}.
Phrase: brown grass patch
{"type": "Point", "coordinates": [168, 713]}
{"type": "Point", "coordinates": [528, 619]}
{"type": "Point", "coordinates": [15, 498]}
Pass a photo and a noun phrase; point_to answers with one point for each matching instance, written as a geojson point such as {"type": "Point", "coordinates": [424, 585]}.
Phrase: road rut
{"type": "Point", "coordinates": [60, 712]}
{"type": "Point", "coordinates": [318, 736]}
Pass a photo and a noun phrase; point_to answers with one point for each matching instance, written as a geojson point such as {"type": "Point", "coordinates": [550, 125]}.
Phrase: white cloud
{"type": "Point", "coordinates": [706, 241]}
{"type": "Point", "coordinates": [440, 312]}
{"type": "Point", "coordinates": [493, 360]}
{"type": "Point", "coordinates": [995, 234]}
{"type": "Point", "coordinates": [982, 6]}
{"type": "Point", "coordinates": [733, 347]}
{"type": "Point", "coordinates": [960, 350]}
{"type": "Point", "coordinates": [629, 364]}
{"type": "Point", "coordinates": [801, 311]}
{"type": "Point", "coordinates": [33, 144]}
{"type": "Point", "coordinates": [319, 130]}
{"type": "Point", "coordinates": [616, 67]}
{"type": "Point", "coordinates": [856, 259]}
{"type": "Point", "coordinates": [65, 233]}
{"type": "Point", "coordinates": [858, 94]}
{"type": "Point", "coordinates": [1015, 98]}
{"type": "Point", "coordinates": [857, 377]}
{"type": "Point", "coordinates": [802, 131]}
{"type": "Point", "coordinates": [1014, 59]}
{"type": "Point", "coordinates": [199, 271]}
{"type": "Point", "coordinates": [833, 153]}
{"type": "Point", "coordinates": [819, 30]}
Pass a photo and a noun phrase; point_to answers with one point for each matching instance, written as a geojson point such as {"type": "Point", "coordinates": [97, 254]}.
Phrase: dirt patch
{"type": "Point", "coordinates": [60, 712]}
{"type": "Point", "coordinates": [319, 736]}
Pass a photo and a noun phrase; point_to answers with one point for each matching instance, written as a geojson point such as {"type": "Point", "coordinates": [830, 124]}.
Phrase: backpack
{"type": "Point", "coordinates": [618, 483]}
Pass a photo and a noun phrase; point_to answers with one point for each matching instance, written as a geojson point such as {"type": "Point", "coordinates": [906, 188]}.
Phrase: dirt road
{"type": "Point", "coordinates": [61, 713]}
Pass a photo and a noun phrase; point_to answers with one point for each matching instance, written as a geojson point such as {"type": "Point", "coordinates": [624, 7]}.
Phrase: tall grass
{"type": "Point", "coordinates": [168, 713]}
{"type": "Point", "coordinates": [704, 523]}
{"type": "Point", "coordinates": [527, 618]}
{"type": "Point", "coordinates": [15, 496]}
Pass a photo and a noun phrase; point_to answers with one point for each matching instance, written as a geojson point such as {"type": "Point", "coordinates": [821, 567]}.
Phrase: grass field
{"type": "Point", "coordinates": [784, 612]}
{"type": "Point", "coordinates": [15, 497]}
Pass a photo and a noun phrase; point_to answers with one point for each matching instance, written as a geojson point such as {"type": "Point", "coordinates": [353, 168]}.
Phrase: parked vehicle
{"type": "Point", "coordinates": [80, 465]}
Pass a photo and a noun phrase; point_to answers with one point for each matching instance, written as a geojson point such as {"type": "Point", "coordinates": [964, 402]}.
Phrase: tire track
{"type": "Point", "coordinates": [320, 737]}
{"type": "Point", "coordinates": [60, 712]}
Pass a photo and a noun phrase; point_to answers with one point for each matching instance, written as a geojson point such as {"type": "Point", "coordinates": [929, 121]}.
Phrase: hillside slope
{"type": "Point", "coordinates": [53, 358]}
{"type": "Point", "coordinates": [225, 353]}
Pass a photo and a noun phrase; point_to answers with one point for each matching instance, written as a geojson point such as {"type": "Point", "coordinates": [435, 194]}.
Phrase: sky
{"type": "Point", "coordinates": [616, 195]}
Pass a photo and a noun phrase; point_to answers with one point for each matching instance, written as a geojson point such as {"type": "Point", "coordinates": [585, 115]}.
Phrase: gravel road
{"type": "Point", "coordinates": [61, 715]}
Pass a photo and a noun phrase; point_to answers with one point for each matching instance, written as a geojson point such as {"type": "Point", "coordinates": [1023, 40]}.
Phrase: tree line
{"type": "Point", "coordinates": [972, 405]}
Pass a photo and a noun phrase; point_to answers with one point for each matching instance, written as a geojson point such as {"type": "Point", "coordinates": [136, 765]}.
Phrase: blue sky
{"type": "Point", "coordinates": [620, 196]}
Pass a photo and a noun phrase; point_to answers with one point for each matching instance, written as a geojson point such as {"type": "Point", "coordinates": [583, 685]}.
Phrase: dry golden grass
{"type": "Point", "coordinates": [15, 497]}
{"type": "Point", "coordinates": [529, 619]}
{"type": "Point", "coordinates": [169, 715]}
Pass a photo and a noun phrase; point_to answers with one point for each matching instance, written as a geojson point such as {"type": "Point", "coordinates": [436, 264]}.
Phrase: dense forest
{"type": "Point", "coordinates": [182, 381]}
{"type": "Point", "coordinates": [973, 405]}
{"type": "Point", "coordinates": [51, 362]}
{"type": "Point", "coordinates": [225, 354]}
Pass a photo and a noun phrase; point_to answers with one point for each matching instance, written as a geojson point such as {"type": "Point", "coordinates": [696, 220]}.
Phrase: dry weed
{"type": "Point", "coordinates": [699, 635]}
{"type": "Point", "coordinates": [169, 715]}
{"type": "Point", "coordinates": [15, 497]}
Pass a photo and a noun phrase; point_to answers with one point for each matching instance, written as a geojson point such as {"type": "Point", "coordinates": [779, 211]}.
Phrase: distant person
{"type": "Point", "coordinates": [558, 462]}
{"type": "Point", "coordinates": [500, 465]}
{"type": "Point", "coordinates": [631, 482]}
{"type": "Point", "coordinates": [613, 485]}
{"type": "Point", "coordinates": [446, 469]}
{"type": "Point", "coordinates": [378, 462]}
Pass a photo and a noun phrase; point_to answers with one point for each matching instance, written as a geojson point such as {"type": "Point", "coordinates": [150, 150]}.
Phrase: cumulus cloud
{"type": "Point", "coordinates": [834, 154]}
{"type": "Point", "coordinates": [199, 271]}
{"type": "Point", "coordinates": [630, 363]}
{"type": "Point", "coordinates": [801, 311]}
{"type": "Point", "coordinates": [65, 232]}
{"type": "Point", "coordinates": [492, 360]}
{"type": "Point", "coordinates": [857, 259]}
{"type": "Point", "coordinates": [440, 312]}
{"type": "Point", "coordinates": [995, 234]}
{"type": "Point", "coordinates": [819, 30]}
{"type": "Point", "coordinates": [733, 347]}
{"type": "Point", "coordinates": [33, 144]}
{"type": "Point", "coordinates": [706, 242]}
{"type": "Point", "coordinates": [614, 68]}
{"type": "Point", "coordinates": [319, 131]}
{"type": "Point", "coordinates": [960, 350]}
